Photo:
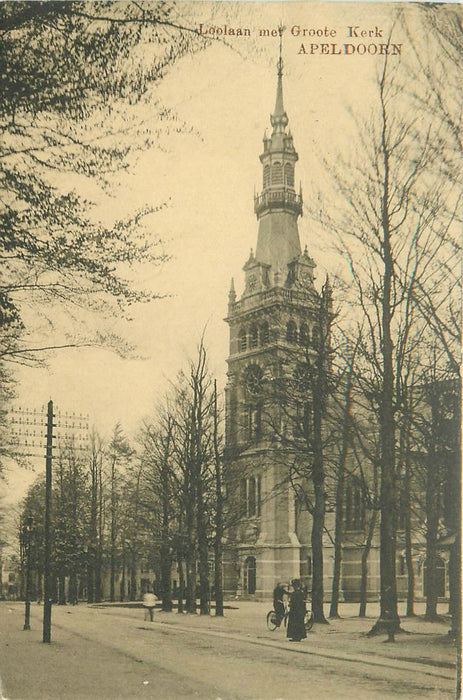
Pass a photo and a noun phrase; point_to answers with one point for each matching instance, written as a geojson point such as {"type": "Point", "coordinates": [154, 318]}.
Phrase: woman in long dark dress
{"type": "Point", "coordinates": [296, 628]}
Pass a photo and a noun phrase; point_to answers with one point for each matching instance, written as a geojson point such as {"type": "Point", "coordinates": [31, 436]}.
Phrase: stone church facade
{"type": "Point", "coordinates": [269, 539]}
{"type": "Point", "coordinates": [278, 307]}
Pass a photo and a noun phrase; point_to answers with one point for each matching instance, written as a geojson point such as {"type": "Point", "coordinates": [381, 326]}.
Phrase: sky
{"type": "Point", "coordinates": [225, 93]}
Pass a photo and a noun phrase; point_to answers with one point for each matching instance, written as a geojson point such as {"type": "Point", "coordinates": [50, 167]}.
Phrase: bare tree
{"type": "Point", "coordinates": [396, 229]}
{"type": "Point", "coordinates": [119, 454]}
{"type": "Point", "coordinates": [159, 492]}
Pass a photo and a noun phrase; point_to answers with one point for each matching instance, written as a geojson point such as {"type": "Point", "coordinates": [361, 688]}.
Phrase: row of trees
{"type": "Point", "coordinates": [397, 222]}
{"type": "Point", "coordinates": [159, 504]}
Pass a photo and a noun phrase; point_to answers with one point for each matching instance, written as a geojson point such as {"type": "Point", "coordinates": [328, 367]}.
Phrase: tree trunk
{"type": "Point", "coordinates": [318, 473]}
{"type": "Point", "coordinates": [98, 576]}
{"type": "Point", "coordinates": [39, 587]}
{"type": "Point", "coordinates": [190, 557]}
{"type": "Point", "coordinates": [341, 480]}
{"type": "Point", "coordinates": [62, 590]}
{"type": "Point", "coordinates": [190, 598]}
{"type": "Point", "coordinates": [389, 619]}
{"type": "Point", "coordinates": [112, 556]}
{"type": "Point", "coordinates": [166, 576]}
{"type": "Point", "coordinates": [112, 577]}
{"type": "Point", "coordinates": [181, 582]}
{"type": "Point", "coordinates": [133, 576]}
{"type": "Point", "coordinates": [93, 531]}
{"type": "Point", "coordinates": [338, 540]}
{"type": "Point", "coordinates": [218, 578]}
{"type": "Point", "coordinates": [318, 519]}
{"type": "Point", "coordinates": [73, 588]}
{"type": "Point", "coordinates": [364, 565]}
{"type": "Point", "coordinates": [408, 533]}
{"type": "Point", "coordinates": [166, 556]}
{"type": "Point", "coordinates": [122, 592]}
{"type": "Point", "coordinates": [432, 528]}
{"type": "Point", "coordinates": [91, 576]}
{"type": "Point", "coordinates": [203, 559]}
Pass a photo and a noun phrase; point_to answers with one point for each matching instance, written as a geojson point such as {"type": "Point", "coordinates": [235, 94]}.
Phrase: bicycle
{"type": "Point", "coordinates": [274, 620]}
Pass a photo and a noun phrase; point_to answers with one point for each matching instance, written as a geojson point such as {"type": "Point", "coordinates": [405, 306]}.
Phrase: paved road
{"type": "Point", "coordinates": [96, 655]}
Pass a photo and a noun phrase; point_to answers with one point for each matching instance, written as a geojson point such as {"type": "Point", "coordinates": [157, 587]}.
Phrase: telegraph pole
{"type": "Point", "coordinates": [27, 534]}
{"type": "Point", "coordinates": [47, 583]}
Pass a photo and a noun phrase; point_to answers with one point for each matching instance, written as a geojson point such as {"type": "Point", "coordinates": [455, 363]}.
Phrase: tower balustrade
{"type": "Point", "coordinates": [274, 199]}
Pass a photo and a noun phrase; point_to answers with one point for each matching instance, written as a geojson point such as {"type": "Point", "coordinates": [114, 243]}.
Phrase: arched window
{"type": "Point", "coordinates": [304, 335]}
{"type": "Point", "coordinates": [252, 497]}
{"type": "Point", "coordinates": [254, 336]}
{"type": "Point", "coordinates": [354, 509]}
{"type": "Point", "coordinates": [289, 175]}
{"type": "Point", "coordinates": [253, 381]}
{"type": "Point", "coordinates": [250, 575]}
{"type": "Point", "coordinates": [315, 336]}
{"type": "Point", "coordinates": [255, 421]}
{"type": "Point", "coordinates": [291, 332]}
{"type": "Point", "coordinates": [243, 339]}
{"type": "Point", "coordinates": [277, 174]}
{"type": "Point", "coordinates": [264, 333]}
{"type": "Point", "coordinates": [243, 497]}
{"type": "Point", "coordinates": [266, 175]}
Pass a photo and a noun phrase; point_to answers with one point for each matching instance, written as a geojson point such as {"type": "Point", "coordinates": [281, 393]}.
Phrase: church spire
{"type": "Point", "coordinates": [279, 118]}
{"type": "Point", "coordinates": [278, 206]}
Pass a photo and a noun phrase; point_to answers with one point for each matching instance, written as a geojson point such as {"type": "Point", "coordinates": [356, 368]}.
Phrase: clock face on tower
{"type": "Point", "coordinates": [304, 279]}
{"type": "Point", "coordinates": [253, 379]}
{"type": "Point", "coordinates": [252, 282]}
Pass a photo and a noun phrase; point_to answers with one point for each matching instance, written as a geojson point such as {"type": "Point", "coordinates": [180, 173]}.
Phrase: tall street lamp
{"type": "Point", "coordinates": [27, 536]}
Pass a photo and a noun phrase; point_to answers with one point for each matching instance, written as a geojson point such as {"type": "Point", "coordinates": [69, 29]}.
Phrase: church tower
{"type": "Point", "coordinates": [276, 313]}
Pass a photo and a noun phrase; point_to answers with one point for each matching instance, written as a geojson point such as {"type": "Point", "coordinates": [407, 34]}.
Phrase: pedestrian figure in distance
{"type": "Point", "coordinates": [149, 603]}
{"type": "Point", "coordinates": [296, 627]}
{"type": "Point", "coordinates": [278, 605]}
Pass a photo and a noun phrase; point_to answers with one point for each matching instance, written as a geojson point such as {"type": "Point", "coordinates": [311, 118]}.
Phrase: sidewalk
{"type": "Point", "coordinates": [426, 644]}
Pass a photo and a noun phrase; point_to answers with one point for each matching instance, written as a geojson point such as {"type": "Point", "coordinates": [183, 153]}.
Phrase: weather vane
{"type": "Point", "coordinates": [281, 29]}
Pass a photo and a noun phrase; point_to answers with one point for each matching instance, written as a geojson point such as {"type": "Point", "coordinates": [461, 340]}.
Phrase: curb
{"type": "Point", "coordinates": [396, 664]}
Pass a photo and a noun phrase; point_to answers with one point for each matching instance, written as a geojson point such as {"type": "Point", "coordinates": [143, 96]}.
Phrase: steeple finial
{"type": "Point", "coordinates": [279, 118]}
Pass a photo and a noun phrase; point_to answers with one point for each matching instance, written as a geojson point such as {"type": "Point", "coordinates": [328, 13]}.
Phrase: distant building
{"type": "Point", "coordinates": [10, 577]}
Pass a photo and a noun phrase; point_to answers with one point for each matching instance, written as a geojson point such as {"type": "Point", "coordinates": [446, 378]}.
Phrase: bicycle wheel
{"type": "Point", "coordinates": [272, 620]}
{"type": "Point", "coordinates": [308, 620]}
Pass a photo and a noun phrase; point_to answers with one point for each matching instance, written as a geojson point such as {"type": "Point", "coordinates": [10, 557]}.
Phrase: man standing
{"type": "Point", "coordinates": [149, 603]}
{"type": "Point", "coordinates": [278, 605]}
